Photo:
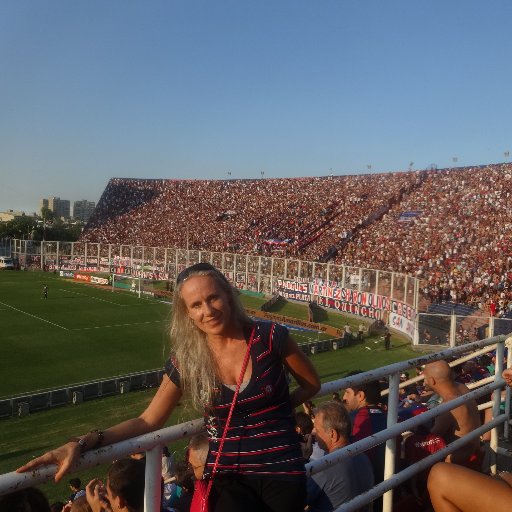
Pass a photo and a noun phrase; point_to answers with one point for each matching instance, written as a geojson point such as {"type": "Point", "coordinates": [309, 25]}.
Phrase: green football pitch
{"type": "Point", "coordinates": [81, 332]}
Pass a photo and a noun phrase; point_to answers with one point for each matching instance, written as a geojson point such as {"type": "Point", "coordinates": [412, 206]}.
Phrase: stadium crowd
{"type": "Point", "coordinates": [247, 216]}
{"type": "Point", "coordinates": [457, 238]}
{"type": "Point", "coordinates": [449, 227]}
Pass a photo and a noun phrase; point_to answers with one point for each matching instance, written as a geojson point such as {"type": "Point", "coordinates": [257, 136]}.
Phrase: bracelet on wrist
{"type": "Point", "coordinates": [99, 440]}
{"type": "Point", "coordinates": [83, 443]}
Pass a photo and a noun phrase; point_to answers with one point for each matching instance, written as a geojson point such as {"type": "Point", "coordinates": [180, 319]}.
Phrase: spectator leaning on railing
{"type": "Point", "coordinates": [455, 488]}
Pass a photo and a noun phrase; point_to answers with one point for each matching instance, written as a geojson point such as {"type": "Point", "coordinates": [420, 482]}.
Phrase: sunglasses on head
{"type": "Point", "coordinates": [198, 267]}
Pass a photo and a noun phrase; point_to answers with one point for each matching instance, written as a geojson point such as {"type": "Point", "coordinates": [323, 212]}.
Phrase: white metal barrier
{"type": "Point", "coordinates": [152, 443]}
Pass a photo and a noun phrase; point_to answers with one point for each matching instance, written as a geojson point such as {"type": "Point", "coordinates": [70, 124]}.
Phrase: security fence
{"type": "Point", "coordinates": [249, 272]}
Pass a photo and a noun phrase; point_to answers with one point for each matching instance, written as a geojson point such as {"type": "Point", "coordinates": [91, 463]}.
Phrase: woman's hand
{"type": "Point", "coordinates": [97, 496]}
{"type": "Point", "coordinates": [65, 457]}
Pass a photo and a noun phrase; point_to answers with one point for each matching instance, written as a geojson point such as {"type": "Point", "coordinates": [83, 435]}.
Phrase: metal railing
{"type": "Point", "coordinates": [152, 443]}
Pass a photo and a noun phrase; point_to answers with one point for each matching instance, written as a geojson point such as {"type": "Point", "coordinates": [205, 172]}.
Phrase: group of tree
{"type": "Point", "coordinates": [43, 227]}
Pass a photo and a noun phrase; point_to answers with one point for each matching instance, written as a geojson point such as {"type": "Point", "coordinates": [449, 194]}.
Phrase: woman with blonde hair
{"type": "Point", "coordinates": [234, 369]}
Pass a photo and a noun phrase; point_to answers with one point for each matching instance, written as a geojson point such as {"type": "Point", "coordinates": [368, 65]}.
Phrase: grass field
{"type": "Point", "coordinates": [81, 333]}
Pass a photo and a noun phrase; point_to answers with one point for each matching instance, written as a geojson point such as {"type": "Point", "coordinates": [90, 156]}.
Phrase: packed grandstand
{"type": "Point", "coordinates": [449, 227]}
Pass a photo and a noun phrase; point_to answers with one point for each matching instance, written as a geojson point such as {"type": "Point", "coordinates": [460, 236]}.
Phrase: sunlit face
{"type": "Point", "coordinates": [112, 498]}
{"type": "Point", "coordinates": [322, 435]}
{"type": "Point", "coordinates": [427, 380]}
{"type": "Point", "coordinates": [207, 304]}
{"type": "Point", "coordinates": [197, 462]}
{"type": "Point", "coordinates": [351, 400]}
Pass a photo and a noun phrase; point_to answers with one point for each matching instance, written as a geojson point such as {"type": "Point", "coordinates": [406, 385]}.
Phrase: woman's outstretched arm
{"type": "Point", "coordinates": [153, 418]}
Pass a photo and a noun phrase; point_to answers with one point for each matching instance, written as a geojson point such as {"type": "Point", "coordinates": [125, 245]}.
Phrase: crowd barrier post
{"type": "Point", "coordinates": [390, 454]}
{"type": "Point", "coordinates": [491, 327]}
{"type": "Point", "coordinates": [153, 478]}
{"type": "Point", "coordinates": [500, 351]}
{"type": "Point", "coordinates": [508, 344]}
{"type": "Point", "coordinates": [453, 329]}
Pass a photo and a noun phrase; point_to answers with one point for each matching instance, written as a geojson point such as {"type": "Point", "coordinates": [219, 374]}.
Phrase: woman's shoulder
{"type": "Point", "coordinates": [172, 370]}
{"type": "Point", "coordinates": [272, 336]}
{"type": "Point", "coordinates": [270, 328]}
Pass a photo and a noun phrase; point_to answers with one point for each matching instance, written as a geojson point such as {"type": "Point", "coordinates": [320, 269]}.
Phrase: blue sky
{"type": "Point", "coordinates": [94, 89]}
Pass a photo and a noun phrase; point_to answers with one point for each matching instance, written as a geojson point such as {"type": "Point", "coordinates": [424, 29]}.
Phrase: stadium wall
{"type": "Point", "coordinates": [21, 405]}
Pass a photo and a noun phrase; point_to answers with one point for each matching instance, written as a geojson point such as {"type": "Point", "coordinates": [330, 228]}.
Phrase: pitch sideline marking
{"type": "Point", "coordinates": [34, 316]}
{"type": "Point", "coordinates": [117, 325]}
{"type": "Point", "coordinates": [94, 298]}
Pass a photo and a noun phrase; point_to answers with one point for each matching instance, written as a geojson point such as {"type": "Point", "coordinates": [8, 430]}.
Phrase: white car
{"type": "Point", "coordinates": [6, 263]}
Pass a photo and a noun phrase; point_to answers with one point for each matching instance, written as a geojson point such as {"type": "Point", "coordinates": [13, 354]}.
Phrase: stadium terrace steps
{"type": "Point", "coordinates": [449, 308]}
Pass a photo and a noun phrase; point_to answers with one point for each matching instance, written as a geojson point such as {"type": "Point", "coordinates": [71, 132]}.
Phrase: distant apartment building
{"type": "Point", "coordinates": [83, 209]}
{"type": "Point", "coordinates": [43, 204]}
{"type": "Point", "coordinates": [10, 215]}
{"type": "Point", "coordinates": [59, 207]}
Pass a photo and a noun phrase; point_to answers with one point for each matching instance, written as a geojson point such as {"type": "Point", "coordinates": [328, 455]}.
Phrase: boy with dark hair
{"type": "Point", "coordinates": [367, 418]}
{"type": "Point", "coordinates": [124, 491]}
{"type": "Point", "coordinates": [75, 484]}
{"type": "Point", "coordinates": [26, 500]}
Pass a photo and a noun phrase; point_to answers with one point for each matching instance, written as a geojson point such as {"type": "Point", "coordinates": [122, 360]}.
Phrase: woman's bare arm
{"type": "Point", "coordinates": [153, 418]}
{"type": "Point", "coordinates": [303, 371]}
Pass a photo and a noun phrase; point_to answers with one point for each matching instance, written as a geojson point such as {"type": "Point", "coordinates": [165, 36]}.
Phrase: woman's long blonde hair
{"type": "Point", "coordinates": [194, 359]}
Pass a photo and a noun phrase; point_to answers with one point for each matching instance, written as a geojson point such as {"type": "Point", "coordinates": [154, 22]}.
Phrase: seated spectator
{"type": "Point", "coordinates": [305, 428]}
{"type": "Point", "coordinates": [472, 372]}
{"type": "Point", "coordinates": [182, 501]}
{"type": "Point", "coordinates": [417, 446]}
{"type": "Point", "coordinates": [168, 475]}
{"type": "Point", "coordinates": [76, 489]}
{"type": "Point", "coordinates": [453, 488]}
{"type": "Point", "coordinates": [367, 419]}
{"type": "Point", "coordinates": [26, 500]}
{"type": "Point", "coordinates": [458, 422]}
{"type": "Point", "coordinates": [124, 491]}
{"type": "Point", "coordinates": [80, 504]}
{"type": "Point", "coordinates": [309, 408]}
{"type": "Point", "coordinates": [349, 477]}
